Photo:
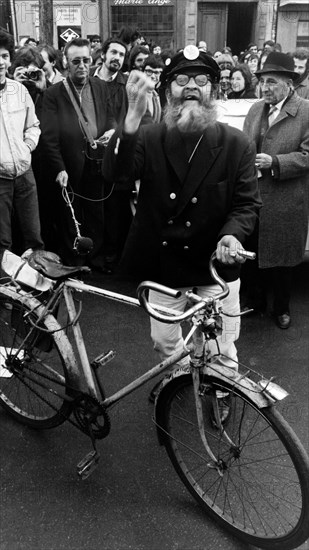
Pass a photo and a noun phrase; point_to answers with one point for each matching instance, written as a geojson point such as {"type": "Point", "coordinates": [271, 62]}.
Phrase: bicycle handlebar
{"type": "Point", "coordinates": [201, 302]}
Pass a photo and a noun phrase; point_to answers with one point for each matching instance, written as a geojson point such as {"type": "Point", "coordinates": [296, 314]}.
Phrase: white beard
{"type": "Point", "coordinates": [189, 116]}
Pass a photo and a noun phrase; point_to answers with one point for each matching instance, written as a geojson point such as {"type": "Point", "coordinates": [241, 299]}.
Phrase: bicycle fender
{"type": "Point", "coordinates": [263, 394]}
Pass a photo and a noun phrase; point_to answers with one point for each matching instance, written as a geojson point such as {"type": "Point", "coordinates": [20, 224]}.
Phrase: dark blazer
{"type": "Point", "coordinates": [183, 209]}
{"type": "Point", "coordinates": [285, 194]}
{"type": "Point", "coordinates": [63, 140]}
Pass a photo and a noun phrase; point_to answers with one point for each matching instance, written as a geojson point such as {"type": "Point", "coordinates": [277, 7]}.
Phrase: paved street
{"type": "Point", "coordinates": [134, 500]}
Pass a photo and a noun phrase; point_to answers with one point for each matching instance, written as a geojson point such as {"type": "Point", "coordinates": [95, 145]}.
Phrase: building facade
{"type": "Point", "coordinates": [174, 23]}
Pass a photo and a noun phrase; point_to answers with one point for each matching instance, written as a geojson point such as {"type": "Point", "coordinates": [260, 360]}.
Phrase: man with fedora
{"type": "Point", "coordinates": [279, 127]}
{"type": "Point", "coordinates": [198, 193]}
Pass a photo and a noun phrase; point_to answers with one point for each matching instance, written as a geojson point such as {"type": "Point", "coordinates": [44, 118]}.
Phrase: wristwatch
{"type": "Point", "coordinates": [28, 145]}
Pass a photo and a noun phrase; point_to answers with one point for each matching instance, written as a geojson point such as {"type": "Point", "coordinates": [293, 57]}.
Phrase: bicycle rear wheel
{"type": "Point", "coordinates": [33, 364]}
{"type": "Point", "coordinates": [260, 492]}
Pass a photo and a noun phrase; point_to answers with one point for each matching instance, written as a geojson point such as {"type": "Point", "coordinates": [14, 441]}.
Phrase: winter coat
{"type": "Point", "coordinates": [285, 189]}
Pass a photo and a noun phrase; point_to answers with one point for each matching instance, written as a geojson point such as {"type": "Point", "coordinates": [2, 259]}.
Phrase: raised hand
{"type": "Point", "coordinates": [138, 86]}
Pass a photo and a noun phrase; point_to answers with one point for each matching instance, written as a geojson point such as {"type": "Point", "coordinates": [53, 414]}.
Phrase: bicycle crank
{"type": "Point", "coordinates": [91, 416]}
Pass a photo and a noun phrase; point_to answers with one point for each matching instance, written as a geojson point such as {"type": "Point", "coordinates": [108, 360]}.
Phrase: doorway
{"type": "Point", "coordinates": [241, 16]}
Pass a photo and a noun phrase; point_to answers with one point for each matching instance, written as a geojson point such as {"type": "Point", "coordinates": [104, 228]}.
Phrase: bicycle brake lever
{"type": "Point", "coordinates": [240, 314]}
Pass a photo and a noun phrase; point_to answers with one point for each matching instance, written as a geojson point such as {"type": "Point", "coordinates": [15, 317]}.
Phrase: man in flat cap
{"type": "Point", "coordinates": [279, 127]}
{"type": "Point", "coordinates": [198, 193]}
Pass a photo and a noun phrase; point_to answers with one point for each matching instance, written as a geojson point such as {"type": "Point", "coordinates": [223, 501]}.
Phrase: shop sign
{"type": "Point", "coordinates": [68, 35]}
{"type": "Point", "coordinates": [142, 2]}
{"type": "Point", "coordinates": [67, 15]}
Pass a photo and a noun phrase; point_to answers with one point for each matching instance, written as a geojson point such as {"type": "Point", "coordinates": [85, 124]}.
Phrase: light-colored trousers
{"type": "Point", "coordinates": [168, 339]}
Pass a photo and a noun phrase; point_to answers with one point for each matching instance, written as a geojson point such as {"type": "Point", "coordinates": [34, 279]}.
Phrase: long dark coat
{"type": "Point", "coordinates": [284, 215]}
{"type": "Point", "coordinates": [62, 137]}
{"type": "Point", "coordinates": [183, 209]}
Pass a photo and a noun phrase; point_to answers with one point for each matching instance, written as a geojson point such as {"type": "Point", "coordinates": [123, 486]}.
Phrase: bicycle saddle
{"type": "Point", "coordinates": [50, 265]}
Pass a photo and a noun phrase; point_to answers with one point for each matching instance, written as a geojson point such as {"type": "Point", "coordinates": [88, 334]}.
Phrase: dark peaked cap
{"type": "Point", "coordinates": [190, 58]}
{"type": "Point", "coordinates": [277, 62]}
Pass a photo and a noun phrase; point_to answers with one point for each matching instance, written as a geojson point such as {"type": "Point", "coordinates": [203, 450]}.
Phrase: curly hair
{"type": "Point", "coordinates": [25, 56]}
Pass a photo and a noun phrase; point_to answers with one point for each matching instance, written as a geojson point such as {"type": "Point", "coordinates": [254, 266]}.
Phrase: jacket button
{"type": "Point", "coordinates": [173, 196]}
{"type": "Point", "coordinates": [164, 243]}
{"type": "Point", "coordinates": [188, 224]}
{"type": "Point", "coordinates": [186, 247]}
{"type": "Point", "coordinates": [194, 200]}
{"type": "Point", "coordinates": [170, 222]}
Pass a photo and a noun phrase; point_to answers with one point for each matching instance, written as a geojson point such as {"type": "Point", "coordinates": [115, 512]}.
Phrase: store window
{"type": "Point", "coordinates": [155, 23]}
{"type": "Point", "coordinates": [303, 33]}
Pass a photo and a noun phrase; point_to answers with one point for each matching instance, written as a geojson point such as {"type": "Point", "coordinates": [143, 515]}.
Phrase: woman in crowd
{"type": "Point", "coordinates": [241, 83]}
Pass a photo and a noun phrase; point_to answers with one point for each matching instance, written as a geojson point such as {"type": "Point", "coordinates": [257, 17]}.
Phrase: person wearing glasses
{"type": "Point", "coordinates": [71, 161]}
{"type": "Point", "coordinates": [153, 67]}
{"type": "Point", "coordinates": [198, 193]}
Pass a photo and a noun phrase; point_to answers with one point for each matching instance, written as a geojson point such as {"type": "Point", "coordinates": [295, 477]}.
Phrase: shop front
{"type": "Point", "coordinates": [154, 19]}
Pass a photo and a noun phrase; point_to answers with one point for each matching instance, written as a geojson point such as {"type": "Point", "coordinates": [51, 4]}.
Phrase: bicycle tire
{"type": "Point", "coordinates": [31, 358]}
{"type": "Point", "coordinates": [263, 495]}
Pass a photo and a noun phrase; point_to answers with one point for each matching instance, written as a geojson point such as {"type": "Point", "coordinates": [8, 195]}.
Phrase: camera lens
{"type": "Point", "coordinates": [33, 75]}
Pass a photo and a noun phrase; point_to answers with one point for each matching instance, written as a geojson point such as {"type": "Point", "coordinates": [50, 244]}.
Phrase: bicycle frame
{"type": "Point", "coordinates": [72, 284]}
{"type": "Point", "coordinates": [264, 395]}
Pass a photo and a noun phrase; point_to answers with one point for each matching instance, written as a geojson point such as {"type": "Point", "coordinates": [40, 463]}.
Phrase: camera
{"type": "Point", "coordinates": [33, 74]}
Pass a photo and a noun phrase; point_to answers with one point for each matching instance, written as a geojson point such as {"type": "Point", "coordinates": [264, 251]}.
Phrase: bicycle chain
{"type": "Point", "coordinates": [87, 411]}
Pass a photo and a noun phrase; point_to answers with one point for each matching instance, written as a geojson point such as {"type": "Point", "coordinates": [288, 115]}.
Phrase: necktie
{"type": "Point", "coordinates": [272, 115]}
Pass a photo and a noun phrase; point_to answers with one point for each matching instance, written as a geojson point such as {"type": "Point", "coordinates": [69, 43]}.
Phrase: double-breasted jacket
{"type": "Point", "coordinates": [184, 207]}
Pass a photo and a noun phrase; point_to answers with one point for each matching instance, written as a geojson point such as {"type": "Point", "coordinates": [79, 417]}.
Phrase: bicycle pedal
{"type": "Point", "coordinates": [89, 463]}
{"type": "Point", "coordinates": [102, 359]}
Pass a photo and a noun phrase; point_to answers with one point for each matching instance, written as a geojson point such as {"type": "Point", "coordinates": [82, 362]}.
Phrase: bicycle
{"type": "Point", "coordinates": [250, 473]}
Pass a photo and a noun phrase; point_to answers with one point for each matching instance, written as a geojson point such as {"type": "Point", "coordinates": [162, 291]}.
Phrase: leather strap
{"type": "Point", "coordinates": [81, 118]}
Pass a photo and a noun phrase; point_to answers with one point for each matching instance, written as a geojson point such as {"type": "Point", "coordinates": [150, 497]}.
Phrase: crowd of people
{"type": "Point", "coordinates": [65, 115]}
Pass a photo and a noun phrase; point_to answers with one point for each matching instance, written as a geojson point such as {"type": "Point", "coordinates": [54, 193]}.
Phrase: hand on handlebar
{"type": "Point", "coordinates": [228, 249]}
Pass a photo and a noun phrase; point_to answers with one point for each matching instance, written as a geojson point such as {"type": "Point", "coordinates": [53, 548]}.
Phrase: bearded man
{"type": "Point", "coordinates": [198, 193]}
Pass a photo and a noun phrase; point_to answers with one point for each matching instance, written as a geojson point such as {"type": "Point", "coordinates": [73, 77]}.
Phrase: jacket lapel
{"type": "Point", "coordinates": [201, 164]}
{"type": "Point", "coordinates": [290, 108]}
{"type": "Point", "coordinates": [175, 153]}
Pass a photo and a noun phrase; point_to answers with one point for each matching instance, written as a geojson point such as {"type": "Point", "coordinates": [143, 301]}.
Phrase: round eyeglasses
{"type": "Point", "coordinates": [199, 79]}
{"type": "Point", "coordinates": [150, 72]}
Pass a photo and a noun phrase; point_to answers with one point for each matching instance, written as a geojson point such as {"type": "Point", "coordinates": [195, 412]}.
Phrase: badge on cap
{"type": "Point", "coordinates": [191, 52]}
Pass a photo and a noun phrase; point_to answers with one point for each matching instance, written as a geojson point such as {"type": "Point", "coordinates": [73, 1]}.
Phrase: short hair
{"type": "Point", "coordinates": [154, 61]}
{"type": "Point", "coordinates": [246, 73]}
{"type": "Point", "coordinates": [27, 55]}
{"type": "Point", "coordinates": [301, 53]}
{"type": "Point", "coordinates": [269, 43]}
{"type": "Point", "coordinates": [52, 53]}
{"type": "Point", "coordinates": [7, 42]}
{"type": "Point", "coordinates": [253, 56]}
{"type": "Point", "coordinates": [110, 41]}
{"type": "Point", "coordinates": [136, 50]}
{"type": "Point", "coordinates": [78, 42]}
{"type": "Point", "coordinates": [95, 37]}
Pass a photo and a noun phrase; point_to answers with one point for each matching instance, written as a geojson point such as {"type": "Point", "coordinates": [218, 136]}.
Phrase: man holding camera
{"type": "Point", "coordinates": [20, 132]}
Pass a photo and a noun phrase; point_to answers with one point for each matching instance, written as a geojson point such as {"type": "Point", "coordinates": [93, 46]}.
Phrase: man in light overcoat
{"type": "Point", "coordinates": [279, 126]}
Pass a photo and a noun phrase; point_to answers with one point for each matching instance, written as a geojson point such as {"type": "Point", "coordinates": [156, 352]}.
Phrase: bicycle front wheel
{"type": "Point", "coordinates": [259, 489]}
{"type": "Point", "coordinates": [33, 363]}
